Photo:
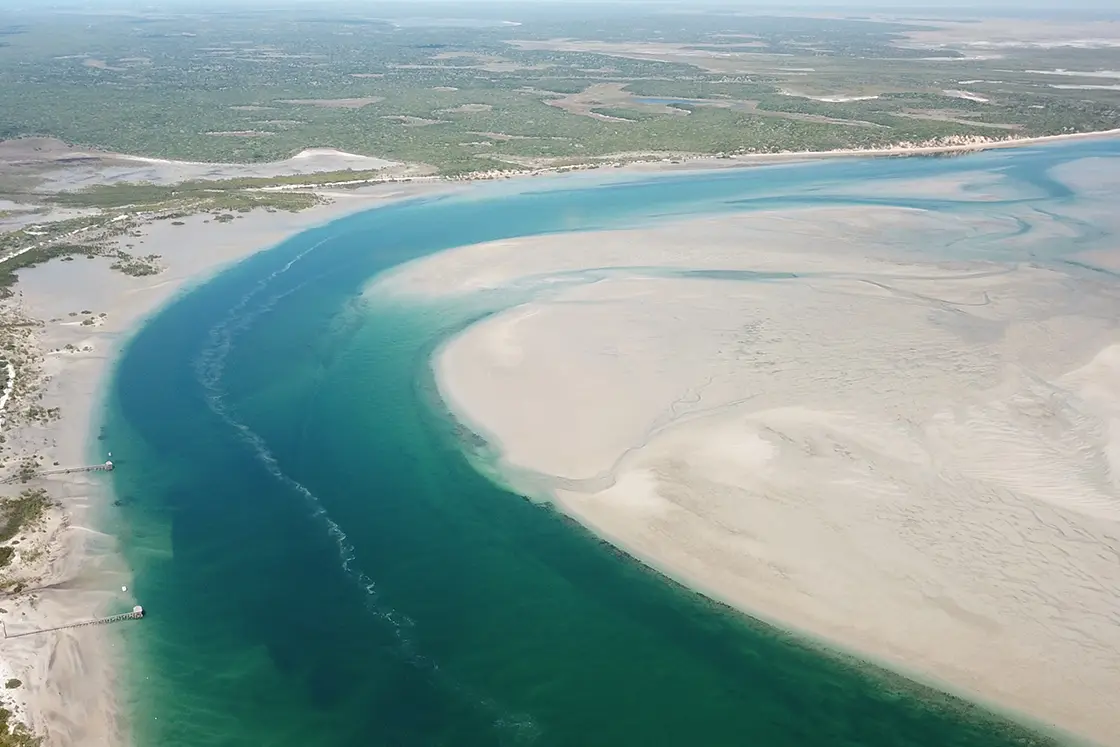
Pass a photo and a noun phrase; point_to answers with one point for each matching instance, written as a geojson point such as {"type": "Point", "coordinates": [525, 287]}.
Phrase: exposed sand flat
{"type": "Point", "coordinates": [1088, 88]}
{"type": "Point", "coordinates": [356, 103]}
{"type": "Point", "coordinates": [109, 169]}
{"type": "Point", "coordinates": [29, 216]}
{"type": "Point", "coordinates": [966, 95]}
{"type": "Point", "coordinates": [1079, 73]}
{"type": "Point", "coordinates": [468, 109]}
{"type": "Point", "coordinates": [242, 133]}
{"type": "Point", "coordinates": [914, 460]}
{"type": "Point", "coordinates": [836, 99]}
{"type": "Point", "coordinates": [1001, 33]}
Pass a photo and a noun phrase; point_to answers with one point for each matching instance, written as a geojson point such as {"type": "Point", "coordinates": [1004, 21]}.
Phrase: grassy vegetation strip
{"type": "Point", "coordinates": [194, 197]}
{"type": "Point", "coordinates": [22, 511]}
{"type": "Point", "coordinates": [15, 734]}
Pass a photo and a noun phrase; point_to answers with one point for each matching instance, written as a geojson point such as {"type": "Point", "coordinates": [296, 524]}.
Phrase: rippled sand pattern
{"type": "Point", "coordinates": [903, 435]}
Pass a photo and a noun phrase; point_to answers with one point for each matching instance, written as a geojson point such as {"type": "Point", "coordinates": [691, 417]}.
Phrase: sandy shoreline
{"type": "Point", "coordinates": [670, 162]}
{"type": "Point", "coordinates": [69, 689]}
{"type": "Point", "coordinates": [950, 471]}
{"type": "Point", "coordinates": [951, 147]}
{"type": "Point", "coordinates": [77, 572]}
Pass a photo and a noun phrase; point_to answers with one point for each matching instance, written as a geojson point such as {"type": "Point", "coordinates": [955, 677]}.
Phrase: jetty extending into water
{"type": "Point", "coordinates": [107, 466]}
{"type": "Point", "coordinates": [136, 614]}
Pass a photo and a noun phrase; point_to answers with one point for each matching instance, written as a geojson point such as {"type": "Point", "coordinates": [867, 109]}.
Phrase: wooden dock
{"type": "Point", "coordinates": [136, 614]}
{"type": "Point", "coordinates": [105, 467]}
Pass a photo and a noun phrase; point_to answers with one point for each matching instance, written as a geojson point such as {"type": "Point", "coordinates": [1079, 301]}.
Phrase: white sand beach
{"type": "Point", "coordinates": [912, 460]}
{"type": "Point", "coordinates": [955, 144]}
{"type": "Point", "coordinates": [71, 571]}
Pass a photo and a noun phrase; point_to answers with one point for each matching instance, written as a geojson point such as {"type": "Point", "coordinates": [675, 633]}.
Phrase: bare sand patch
{"type": "Point", "coordinates": [38, 150]}
{"type": "Point", "coordinates": [467, 109]}
{"type": "Point", "coordinates": [1070, 87]}
{"type": "Point", "coordinates": [481, 61]}
{"type": "Point", "coordinates": [930, 441]}
{"type": "Point", "coordinates": [615, 95]}
{"type": "Point", "coordinates": [460, 55]}
{"type": "Point", "coordinates": [832, 98]}
{"type": "Point", "coordinates": [527, 162]}
{"type": "Point", "coordinates": [711, 58]}
{"type": "Point", "coordinates": [753, 108]}
{"type": "Point", "coordinates": [355, 103]}
{"type": "Point", "coordinates": [99, 64]}
{"type": "Point", "coordinates": [1079, 73]}
{"type": "Point", "coordinates": [410, 121]}
{"type": "Point", "coordinates": [966, 95]}
{"type": "Point", "coordinates": [29, 216]}
{"type": "Point", "coordinates": [718, 62]}
{"type": "Point", "coordinates": [603, 95]}
{"type": "Point", "coordinates": [121, 168]}
{"type": "Point", "coordinates": [506, 136]}
{"type": "Point", "coordinates": [243, 133]}
{"type": "Point", "coordinates": [1009, 33]}
{"type": "Point", "coordinates": [957, 117]}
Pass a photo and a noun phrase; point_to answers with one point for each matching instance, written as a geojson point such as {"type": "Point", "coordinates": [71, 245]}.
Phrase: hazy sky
{"type": "Point", "coordinates": [1111, 7]}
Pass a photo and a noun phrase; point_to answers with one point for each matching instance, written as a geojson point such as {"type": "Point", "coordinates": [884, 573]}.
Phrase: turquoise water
{"type": "Point", "coordinates": [322, 566]}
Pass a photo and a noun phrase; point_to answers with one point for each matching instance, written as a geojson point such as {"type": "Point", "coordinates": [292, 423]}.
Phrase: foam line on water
{"type": "Point", "coordinates": [210, 367]}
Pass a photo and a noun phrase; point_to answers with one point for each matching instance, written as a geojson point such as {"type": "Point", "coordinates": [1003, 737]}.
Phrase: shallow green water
{"type": "Point", "coordinates": [322, 566]}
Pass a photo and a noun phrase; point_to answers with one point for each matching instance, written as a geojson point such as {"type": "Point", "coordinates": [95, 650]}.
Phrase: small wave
{"type": "Point", "coordinates": [210, 367]}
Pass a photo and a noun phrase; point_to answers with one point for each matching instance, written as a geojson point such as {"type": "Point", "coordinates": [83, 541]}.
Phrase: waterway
{"type": "Point", "coordinates": [322, 567]}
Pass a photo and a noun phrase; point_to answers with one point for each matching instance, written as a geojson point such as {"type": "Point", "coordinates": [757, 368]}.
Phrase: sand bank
{"type": "Point", "coordinates": [58, 167]}
{"type": "Point", "coordinates": [69, 689]}
{"type": "Point", "coordinates": [115, 169]}
{"type": "Point", "coordinates": [912, 459]}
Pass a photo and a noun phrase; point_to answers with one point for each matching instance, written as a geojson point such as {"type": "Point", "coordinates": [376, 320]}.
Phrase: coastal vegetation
{"type": "Point", "coordinates": [111, 212]}
{"type": "Point", "coordinates": [15, 734]}
{"type": "Point", "coordinates": [86, 236]}
{"type": "Point", "coordinates": [40, 414]}
{"type": "Point", "coordinates": [501, 87]}
{"type": "Point", "coordinates": [189, 198]}
{"type": "Point", "coordinates": [135, 266]}
{"type": "Point", "coordinates": [22, 511]}
{"type": "Point", "coordinates": [26, 472]}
